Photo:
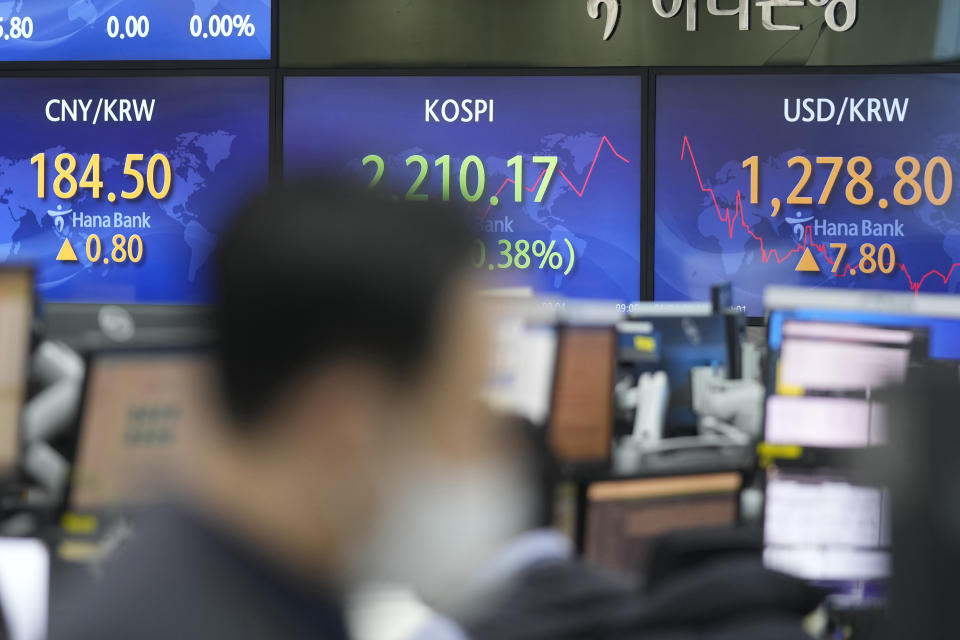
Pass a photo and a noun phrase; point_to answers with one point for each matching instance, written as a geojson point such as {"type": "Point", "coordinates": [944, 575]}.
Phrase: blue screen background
{"type": "Point", "coordinates": [72, 30]}
{"type": "Point", "coordinates": [330, 124]}
{"type": "Point", "coordinates": [215, 132]}
{"type": "Point", "coordinates": [727, 119]}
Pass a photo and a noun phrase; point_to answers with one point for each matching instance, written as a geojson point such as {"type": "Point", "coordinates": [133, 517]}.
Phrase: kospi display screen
{"type": "Point", "coordinates": [548, 167]}
{"type": "Point", "coordinates": [115, 188]}
{"type": "Point", "coordinates": [819, 180]}
{"type": "Point", "coordinates": [106, 30]}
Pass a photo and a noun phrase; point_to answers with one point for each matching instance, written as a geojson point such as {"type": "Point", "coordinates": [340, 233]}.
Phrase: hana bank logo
{"type": "Point", "coordinates": [58, 215]}
{"type": "Point", "coordinates": [799, 226]}
{"type": "Point", "coordinates": [612, 11]}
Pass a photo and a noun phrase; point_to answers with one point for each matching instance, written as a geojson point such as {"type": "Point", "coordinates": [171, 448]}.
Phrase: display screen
{"type": "Point", "coordinates": [77, 30]}
{"type": "Point", "coordinates": [140, 414]}
{"type": "Point", "coordinates": [823, 375]}
{"type": "Point", "coordinates": [943, 333]}
{"type": "Point", "coordinates": [815, 180]}
{"type": "Point", "coordinates": [674, 345]}
{"type": "Point", "coordinates": [581, 413]}
{"type": "Point", "coordinates": [16, 313]}
{"type": "Point", "coordinates": [524, 361]}
{"type": "Point", "coordinates": [626, 517]}
{"type": "Point", "coordinates": [822, 356]}
{"type": "Point", "coordinates": [24, 588]}
{"type": "Point", "coordinates": [115, 189]}
{"type": "Point", "coordinates": [548, 167]}
{"type": "Point", "coordinates": [824, 528]}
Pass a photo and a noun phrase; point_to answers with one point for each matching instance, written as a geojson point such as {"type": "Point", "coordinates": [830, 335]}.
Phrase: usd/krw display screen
{"type": "Point", "coordinates": [549, 168]}
{"type": "Point", "coordinates": [815, 180]}
{"type": "Point", "coordinates": [74, 30]}
{"type": "Point", "coordinates": [115, 189]}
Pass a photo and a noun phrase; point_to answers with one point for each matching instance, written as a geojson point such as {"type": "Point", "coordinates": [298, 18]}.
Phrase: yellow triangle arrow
{"type": "Point", "coordinates": [807, 262]}
{"type": "Point", "coordinates": [67, 254]}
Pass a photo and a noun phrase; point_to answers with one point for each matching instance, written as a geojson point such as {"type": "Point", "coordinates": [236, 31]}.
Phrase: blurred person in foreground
{"type": "Point", "coordinates": [352, 352]}
{"type": "Point", "coordinates": [534, 587]}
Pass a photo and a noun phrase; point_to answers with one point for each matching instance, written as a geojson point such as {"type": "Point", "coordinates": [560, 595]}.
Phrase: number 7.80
{"type": "Point", "coordinates": [871, 258]}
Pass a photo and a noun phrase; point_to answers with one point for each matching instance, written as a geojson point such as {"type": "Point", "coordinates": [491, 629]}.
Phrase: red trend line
{"type": "Point", "coordinates": [603, 141]}
{"type": "Point", "coordinates": [808, 242]}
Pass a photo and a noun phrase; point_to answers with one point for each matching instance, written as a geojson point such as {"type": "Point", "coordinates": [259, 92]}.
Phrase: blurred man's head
{"type": "Point", "coordinates": [353, 352]}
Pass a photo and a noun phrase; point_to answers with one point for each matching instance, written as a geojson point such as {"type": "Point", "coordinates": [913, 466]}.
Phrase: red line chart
{"type": "Point", "coordinates": [772, 254]}
{"type": "Point", "coordinates": [604, 141]}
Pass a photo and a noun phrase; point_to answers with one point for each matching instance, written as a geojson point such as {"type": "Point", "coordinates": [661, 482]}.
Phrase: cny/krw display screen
{"type": "Point", "coordinates": [549, 168]}
{"type": "Point", "coordinates": [115, 189]}
{"type": "Point", "coordinates": [74, 30]}
{"type": "Point", "coordinates": [813, 180]}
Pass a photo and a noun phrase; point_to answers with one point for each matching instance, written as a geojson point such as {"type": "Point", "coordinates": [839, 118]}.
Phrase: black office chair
{"type": "Point", "coordinates": [924, 480]}
{"type": "Point", "coordinates": [687, 549]}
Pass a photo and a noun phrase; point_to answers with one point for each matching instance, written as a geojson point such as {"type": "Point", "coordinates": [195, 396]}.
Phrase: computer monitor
{"type": "Point", "coordinates": [822, 377]}
{"type": "Point", "coordinates": [938, 314]}
{"type": "Point", "coordinates": [582, 407]}
{"type": "Point", "coordinates": [624, 517]}
{"type": "Point", "coordinates": [832, 356]}
{"type": "Point", "coordinates": [820, 526]}
{"type": "Point", "coordinates": [682, 343]}
{"type": "Point", "coordinates": [16, 313]}
{"type": "Point", "coordinates": [524, 363]}
{"type": "Point", "coordinates": [142, 410]}
{"type": "Point", "coordinates": [24, 588]}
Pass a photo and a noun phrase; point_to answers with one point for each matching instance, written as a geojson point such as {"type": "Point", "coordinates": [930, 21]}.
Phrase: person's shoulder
{"type": "Point", "coordinates": [574, 578]}
{"type": "Point", "coordinates": [559, 600]}
{"type": "Point", "coordinates": [169, 581]}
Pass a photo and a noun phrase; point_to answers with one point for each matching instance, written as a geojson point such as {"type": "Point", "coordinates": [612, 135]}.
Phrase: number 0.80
{"type": "Point", "coordinates": [124, 249]}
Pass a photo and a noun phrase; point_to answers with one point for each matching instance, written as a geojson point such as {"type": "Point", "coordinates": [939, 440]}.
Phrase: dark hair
{"type": "Point", "coordinates": [308, 272]}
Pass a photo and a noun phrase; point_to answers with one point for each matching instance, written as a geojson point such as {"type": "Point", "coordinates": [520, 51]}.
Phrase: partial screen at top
{"type": "Point", "coordinates": [134, 30]}
{"type": "Point", "coordinates": [819, 180]}
{"type": "Point", "coordinates": [547, 168]}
